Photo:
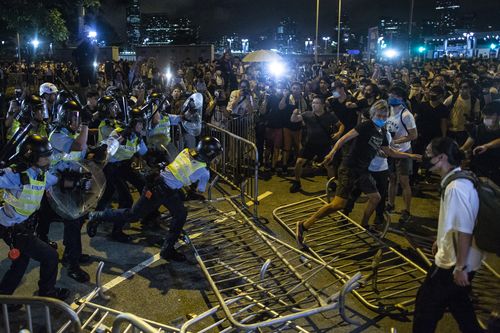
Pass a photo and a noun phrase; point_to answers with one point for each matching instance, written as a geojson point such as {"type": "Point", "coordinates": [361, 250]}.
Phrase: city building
{"type": "Point", "coordinates": [286, 35]}
{"type": "Point", "coordinates": [158, 29]}
{"type": "Point", "coordinates": [133, 13]}
{"type": "Point", "coordinates": [447, 15]}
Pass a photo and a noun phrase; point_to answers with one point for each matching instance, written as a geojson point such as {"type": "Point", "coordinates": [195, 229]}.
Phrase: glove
{"type": "Point", "coordinates": [86, 117]}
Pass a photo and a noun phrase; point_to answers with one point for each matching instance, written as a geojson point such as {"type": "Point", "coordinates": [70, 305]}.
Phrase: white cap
{"type": "Point", "coordinates": [48, 88]}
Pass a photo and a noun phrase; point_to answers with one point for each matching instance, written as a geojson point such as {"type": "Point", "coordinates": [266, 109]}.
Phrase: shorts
{"type": "Point", "coordinates": [401, 166]}
{"type": "Point", "coordinates": [274, 138]}
{"type": "Point", "coordinates": [310, 151]}
{"type": "Point", "coordinates": [291, 138]}
{"type": "Point", "coordinates": [350, 178]}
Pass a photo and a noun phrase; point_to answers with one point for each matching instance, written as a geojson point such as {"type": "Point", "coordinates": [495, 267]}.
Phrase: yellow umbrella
{"type": "Point", "coordinates": [263, 56]}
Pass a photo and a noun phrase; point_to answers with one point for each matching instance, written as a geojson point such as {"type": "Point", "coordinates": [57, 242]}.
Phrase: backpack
{"type": "Point", "coordinates": [487, 228]}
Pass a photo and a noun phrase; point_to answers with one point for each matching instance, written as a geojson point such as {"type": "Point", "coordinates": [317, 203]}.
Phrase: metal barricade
{"type": "Point", "coordinates": [262, 283]}
{"type": "Point", "coordinates": [32, 307]}
{"type": "Point", "coordinates": [238, 164]}
{"type": "Point", "coordinates": [392, 279]}
{"type": "Point", "coordinates": [243, 126]}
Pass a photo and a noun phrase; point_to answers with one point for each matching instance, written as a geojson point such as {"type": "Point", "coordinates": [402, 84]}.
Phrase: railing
{"type": "Point", "coordinates": [238, 165]}
{"type": "Point", "coordinates": [30, 304]}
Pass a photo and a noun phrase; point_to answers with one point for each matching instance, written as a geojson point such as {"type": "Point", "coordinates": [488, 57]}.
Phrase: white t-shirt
{"type": "Point", "coordinates": [398, 130]}
{"type": "Point", "coordinates": [458, 212]}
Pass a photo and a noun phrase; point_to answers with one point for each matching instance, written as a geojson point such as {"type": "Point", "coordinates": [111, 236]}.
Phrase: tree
{"type": "Point", "coordinates": [54, 26]}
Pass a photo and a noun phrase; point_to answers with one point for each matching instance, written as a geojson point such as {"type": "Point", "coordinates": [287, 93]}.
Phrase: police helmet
{"type": "Point", "coordinates": [136, 116]}
{"type": "Point", "coordinates": [207, 149]}
{"type": "Point", "coordinates": [107, 107]}
{"type": "Point", "coordinates": [29, 105]}
{"type": "Point", "coordinates": [32, 148]}
{"type": "Point", "coordinates": [68, 111]}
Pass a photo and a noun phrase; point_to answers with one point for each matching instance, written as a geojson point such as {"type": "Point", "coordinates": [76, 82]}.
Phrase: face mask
{"type": "Point", "coordinates": [488, 122]}
{"type": "Point", "coordinates": [335, 94]}
{"type": "Point", "coordinates": [434, 98]}
{"type": "Point", "coordinates": [394, 101]}
{"type": "Point", "coordinates": [379, 122]}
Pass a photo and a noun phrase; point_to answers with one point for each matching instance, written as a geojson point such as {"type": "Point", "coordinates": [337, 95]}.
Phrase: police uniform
{"type": "Point", "coordinates": [23, 192]}
{"type": "Point", "coordinates": [118, 172]}
{"type": "Point", "coordinates": [64, 159]}
{"type": "Point", "coordinates": [164, 189]}
{"type": "Point", "coordinates": [159, 135]}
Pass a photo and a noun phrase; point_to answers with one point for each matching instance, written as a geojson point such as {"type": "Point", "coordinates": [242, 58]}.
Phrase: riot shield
{"type": "Point", "coordinates": [193, 111]}
{"type": "Point", "coordinates": [75, 201]}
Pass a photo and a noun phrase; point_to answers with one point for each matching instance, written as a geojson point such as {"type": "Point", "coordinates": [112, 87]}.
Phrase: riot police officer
{"type": "Point", "coordinates": [69, 141]}
{"type": "Point", "coordinates": [108, 109]}
{"type": "Point", "coordinates": [31, 113]}
{"type": "Point", "coordinates": [119, 169]}
{"type": "Point", "coordinates": [164, 188]}
{"type": "Point", "coordinates": [48, 92]}
{"type": "Point", "coordinates": [24, 184]}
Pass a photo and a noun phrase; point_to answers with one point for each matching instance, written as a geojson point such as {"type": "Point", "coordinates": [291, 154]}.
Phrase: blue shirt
{"type": "Point", "coordinates": [61, 142]}
{"type": "Point", "coordinates": [202, 176]}
{"type": "Point", "coordinates": [11, 181]}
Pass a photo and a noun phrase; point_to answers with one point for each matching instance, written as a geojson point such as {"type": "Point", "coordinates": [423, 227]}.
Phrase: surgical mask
{"type": "Point", "coordinates": [379, 122]}
{"type": "Point", "coordinates": [489, 122]}
{"type": "Point", "coordinates": [394, 101]}
{"type": "Point", "coordinates": [335, 94]}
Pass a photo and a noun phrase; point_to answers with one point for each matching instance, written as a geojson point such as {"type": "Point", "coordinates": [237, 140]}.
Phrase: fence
{"type": "Point", "coordinates": [238, 164]}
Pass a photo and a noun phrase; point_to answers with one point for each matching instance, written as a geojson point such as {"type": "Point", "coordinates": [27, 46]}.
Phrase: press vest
{"type": "Point", "coordinates": [29, 199]}
{"type": "Point", "coordinates": [184, 166]}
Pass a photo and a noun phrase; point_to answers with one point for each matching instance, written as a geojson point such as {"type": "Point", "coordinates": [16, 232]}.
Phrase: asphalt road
{"type": "Point", "coordinates": [170, 293]}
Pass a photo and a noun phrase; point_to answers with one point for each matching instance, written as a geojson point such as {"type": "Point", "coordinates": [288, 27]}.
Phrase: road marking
{"type": "Point", "coordinates": [260, 197]}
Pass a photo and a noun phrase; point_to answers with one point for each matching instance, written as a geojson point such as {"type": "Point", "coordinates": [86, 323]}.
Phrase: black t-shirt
{"type": "Point", "coordinates": [481, 136]}
{"type": "Point", "coordinates": [319, 128]}
{"type": "Point", "coordinates": [428, 119]}
{"type": "Point", "coordinates": [365, 146]}
{"type": "Point", "coordinates": [274, 117]}
{"type": "Point", "coordinates": [348, 117]}
{"type": "Point", "coordinates": [289, 108]}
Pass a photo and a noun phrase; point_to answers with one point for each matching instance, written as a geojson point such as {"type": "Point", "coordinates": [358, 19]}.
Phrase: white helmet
{"type": "Point", "coordinates": [48, 88]}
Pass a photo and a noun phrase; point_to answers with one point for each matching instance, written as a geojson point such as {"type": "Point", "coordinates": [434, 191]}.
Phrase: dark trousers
{"type": "Point", "coordinates": [151, 199]}
{"type": "Point", "coordinates": [31, 247]}
{"type": "Point", "coordinates": [438, 293]}
{"type": "Point", "coordinates": [382, 182]}
{"type": "Point", "coordinates": [260, 138]}
{"type": "Point", "coordinates": [72, 238]}
{"type": "Point", "coordinates": [117, 176]}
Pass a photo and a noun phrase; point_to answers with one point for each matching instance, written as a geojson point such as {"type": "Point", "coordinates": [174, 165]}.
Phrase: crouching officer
{"type": "Point", "coordinates": [69, 141]}
{"type": "Point", "coordinates": [119, 169]}
{"type": "Point", "coordinates": [164, 188]}
{"type": "Point", "coordinates": [24, 185]}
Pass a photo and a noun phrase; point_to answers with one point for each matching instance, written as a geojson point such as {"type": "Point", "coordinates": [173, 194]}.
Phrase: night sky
{"type": "Point", "coordinates": [251, 17]}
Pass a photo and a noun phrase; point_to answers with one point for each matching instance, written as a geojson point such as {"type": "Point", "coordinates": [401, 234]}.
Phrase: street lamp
{"type": "Point", "coordinates": [316, 40]}
{"type": "Point", "coordinates": [326, 39]}
{"type": "Point", "coordinates": [35, 42]}
{"type": "Point", "coordinates": [338, 32]}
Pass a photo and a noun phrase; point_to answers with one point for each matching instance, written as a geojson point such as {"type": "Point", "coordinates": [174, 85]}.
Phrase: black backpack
{"type": "Point", "coordinates": [487, 228]}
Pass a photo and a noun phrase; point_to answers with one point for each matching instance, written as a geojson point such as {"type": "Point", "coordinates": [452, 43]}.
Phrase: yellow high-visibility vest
{"type": "Point", "coordinates": [29, 199]}
{"type": "Point", "coordinates": [184, 166]}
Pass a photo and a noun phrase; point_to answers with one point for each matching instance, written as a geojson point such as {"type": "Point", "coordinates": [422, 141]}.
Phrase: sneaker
{"type": "Point", "coordinates": [405, 217]}
{"type": "Point", "coordinates": [120, 236]}
{"type": "Point", "coordinates": [78, 274]}
{"type": "Point", "coordinates": [172, 254]}
{"type": "Point", "coordinates": [296, 187]}
{"type": "Point", "coordinates": [59, 293]}
{"type": "Point", "coordinates": [299, 234]}
{"type": "Point", "coordinates": [389, 208]}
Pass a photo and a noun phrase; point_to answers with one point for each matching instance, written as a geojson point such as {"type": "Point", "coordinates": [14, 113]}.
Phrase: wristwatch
{"type": "Point", "coordinates": [460, 268]}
